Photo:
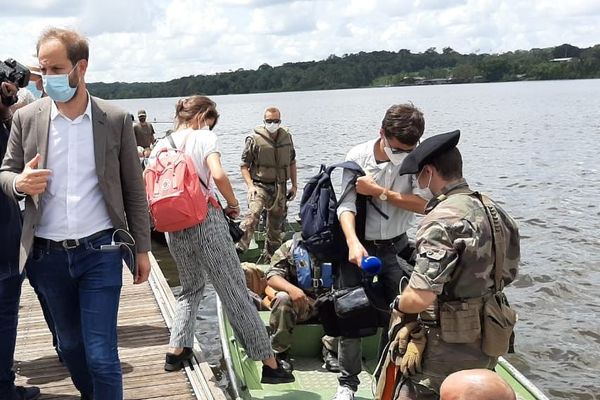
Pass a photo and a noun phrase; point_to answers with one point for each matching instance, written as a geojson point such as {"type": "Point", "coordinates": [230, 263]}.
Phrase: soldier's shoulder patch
{"type": "Point", "coordinates": [435, 254]}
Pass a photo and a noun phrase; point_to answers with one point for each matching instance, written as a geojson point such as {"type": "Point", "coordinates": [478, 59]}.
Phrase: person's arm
{"type": "Point", "coordinates": [294, 178]}
{"type": "Point", "coordinates": [413, 301]}
{"type": "Point", "coordinates": [356, 251]}
{"type": "Point", "coordinates": [366, 185]}
{"type": "Point", "coordinates": [223, 184]}
{"type": "Point", "coordinates": [134, 199]}
{"type": "Point", "coordinates": [247, 161]}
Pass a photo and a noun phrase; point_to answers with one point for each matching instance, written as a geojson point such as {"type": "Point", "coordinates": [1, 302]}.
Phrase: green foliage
{"type": "Point", "coordinates": [378, 68]}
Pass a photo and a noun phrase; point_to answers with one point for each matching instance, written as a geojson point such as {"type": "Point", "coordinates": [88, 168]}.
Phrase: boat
{"type": "Point", "coordinates": [313, 381]}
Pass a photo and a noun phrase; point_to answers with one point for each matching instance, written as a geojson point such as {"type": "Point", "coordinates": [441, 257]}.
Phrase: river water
{"type": "Point", "coordinates": [531, 145]}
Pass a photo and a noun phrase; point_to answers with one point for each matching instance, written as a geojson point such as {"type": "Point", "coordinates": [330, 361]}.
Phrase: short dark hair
{"type": "Point", "coordinates": [404, 122]}
{"type": "Point", "coordinates": [75, 43]}
{"type": "Point", "coordinates": [449, 165]}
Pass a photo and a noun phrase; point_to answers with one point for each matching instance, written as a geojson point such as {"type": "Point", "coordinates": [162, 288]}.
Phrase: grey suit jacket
{"type": "Point", "coordinates": [117, 166]}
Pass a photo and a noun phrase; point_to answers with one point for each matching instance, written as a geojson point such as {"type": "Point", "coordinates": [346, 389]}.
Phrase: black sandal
{"type": "Point", "coordinates": [174, 362]}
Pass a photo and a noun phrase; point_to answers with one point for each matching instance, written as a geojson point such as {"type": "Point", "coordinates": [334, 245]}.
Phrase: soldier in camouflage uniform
{"type": "Point", "coordinates": [268, 162]}
{"type": "Point", "coordinates": [455, 265]}
{"type": "Point", "coordinates": [292, 305]}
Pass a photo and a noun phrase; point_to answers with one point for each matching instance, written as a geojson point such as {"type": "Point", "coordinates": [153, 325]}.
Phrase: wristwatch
{"type": "Point", "coordinates": [383, 195]}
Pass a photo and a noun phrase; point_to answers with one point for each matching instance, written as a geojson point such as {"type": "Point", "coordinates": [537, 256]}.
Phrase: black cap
{"type": "Point", "coordinates": [428, 150]}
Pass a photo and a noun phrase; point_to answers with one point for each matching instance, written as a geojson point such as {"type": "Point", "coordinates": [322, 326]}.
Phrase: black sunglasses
{"type": "Point", "coordinates": [397, 150]}
{"type": "Point", "coordinates": [272, 121]}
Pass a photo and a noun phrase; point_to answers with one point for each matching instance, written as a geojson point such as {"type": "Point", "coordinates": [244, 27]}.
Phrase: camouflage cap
{"type": "Point", "coordinates": [428, 150]}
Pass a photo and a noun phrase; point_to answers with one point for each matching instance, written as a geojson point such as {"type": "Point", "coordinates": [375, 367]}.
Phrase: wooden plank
{"type": "Point", "coordinates": [145, 316]}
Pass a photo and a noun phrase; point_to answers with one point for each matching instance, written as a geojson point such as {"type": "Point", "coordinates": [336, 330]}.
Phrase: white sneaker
{"type": "Point", "coordinates": [344, 393]}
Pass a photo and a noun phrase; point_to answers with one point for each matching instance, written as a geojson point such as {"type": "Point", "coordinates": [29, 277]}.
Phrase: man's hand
{"type": "Point", "coordinates": [367, 186]}
{"type": "Point", "coordinates": [143, 268]}
{"type": "Point", "coordinates": [291, 194]}
{"type": "Point", "coordinates": [356, 252]}
{"type": "Point", "coordinates": [252, 192]}
{"type": "Point", "coordinates": [299, 298]}
{"type": "Point", "coordinates": [32, 181]}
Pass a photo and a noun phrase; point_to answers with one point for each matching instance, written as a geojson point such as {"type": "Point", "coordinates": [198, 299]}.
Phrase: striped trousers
{"type": "Point", "coordinates": [206, 251]}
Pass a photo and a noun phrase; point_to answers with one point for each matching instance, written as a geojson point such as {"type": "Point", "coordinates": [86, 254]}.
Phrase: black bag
{"type": "Point", "coordinates": [352, 312]}
{"type": "Point", "coordinates": [234, 229]}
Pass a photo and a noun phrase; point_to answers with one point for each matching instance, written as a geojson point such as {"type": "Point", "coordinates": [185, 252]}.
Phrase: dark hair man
{"type": "Point", "coordinates": [10, 276]}
{"type": "Point", "coordinates": [380, 158]}
{"type": "Point", "coordinates": [63, 156]}
{"type": "Point", "coordinates": [467, 251]}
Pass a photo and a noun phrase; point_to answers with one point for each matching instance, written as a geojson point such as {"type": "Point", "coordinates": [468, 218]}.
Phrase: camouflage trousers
{"type": "Point", "coordinates": [272, 198]}
{"type": "Point", "coordinates": [440, 359]}
{"type": "Point", "coordinates": [284, 317]}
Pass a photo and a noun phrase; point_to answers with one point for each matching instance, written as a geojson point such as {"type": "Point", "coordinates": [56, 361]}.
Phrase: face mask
{"type": "Point", "coordinates": [426, 188]}
{"type": "Point", "coordinates": [272, 127]}
{"type": "Point", "coordinates": [34, 90]}
{"type": "Point", "coordinates": [395, 157]}
{"type": "Point", "coordinates": [58, 88]}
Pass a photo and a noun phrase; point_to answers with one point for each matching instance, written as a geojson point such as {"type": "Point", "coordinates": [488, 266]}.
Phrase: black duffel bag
{"type": "Point", "coordinates": [351, 312]}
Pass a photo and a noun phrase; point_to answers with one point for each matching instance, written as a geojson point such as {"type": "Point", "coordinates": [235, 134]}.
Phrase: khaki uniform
{"type": "Point", "coordinates": [144, 134]}
{"type": "Point", "coordinates": [284, 313]}
{"type": "Point", "coordinates": [455, 260]}
{"type": "Point", "coordinates": [268, 159]}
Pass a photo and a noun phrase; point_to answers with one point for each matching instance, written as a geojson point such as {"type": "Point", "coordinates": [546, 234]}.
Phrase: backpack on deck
{"type": "Point", "coordinates": [321, 231]}
{"type": "Point", "coordinates": [175, 198]}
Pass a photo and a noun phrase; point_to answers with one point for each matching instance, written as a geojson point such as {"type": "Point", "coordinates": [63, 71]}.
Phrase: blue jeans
{"type": "Point", "coordinates": [10, 292]}
{"type": "Point", "coordinates": [82, 287]}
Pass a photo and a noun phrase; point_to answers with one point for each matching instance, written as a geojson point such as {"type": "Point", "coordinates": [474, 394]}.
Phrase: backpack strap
{"type": "Point", "coordinates": [356, 169]}
{"type": "Point", "coordinates": [172, 143]}
{"type": "Point", "coordinates": [498, 239]}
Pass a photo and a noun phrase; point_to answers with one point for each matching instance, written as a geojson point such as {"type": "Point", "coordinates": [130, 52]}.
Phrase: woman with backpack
{"type": "Point", "coordinates": [206, 250]}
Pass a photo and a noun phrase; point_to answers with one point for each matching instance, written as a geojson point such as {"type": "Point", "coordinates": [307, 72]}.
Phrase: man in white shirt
{"type": "Point", "coordinates": [73, 157]}
{"type": "Point", "coordinates": [380, 158]}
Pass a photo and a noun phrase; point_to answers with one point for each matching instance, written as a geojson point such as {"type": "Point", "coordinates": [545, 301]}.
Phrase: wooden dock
{"type": "Point", "coordinates": [145, 316]}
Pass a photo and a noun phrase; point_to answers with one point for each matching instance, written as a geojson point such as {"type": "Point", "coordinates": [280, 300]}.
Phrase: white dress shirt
{"type": "Point", "coordinates": [72, 205]}
{"type": "Point", "coordinates": [386, 175]}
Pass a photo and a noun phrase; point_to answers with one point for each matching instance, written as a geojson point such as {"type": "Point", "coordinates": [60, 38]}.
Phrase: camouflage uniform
{"type": "Point", "coordinates": [455, 260]}
{"type": "Point", "coordinates": [268, 161]}
{"type": "Point", "coordinates": [284, 313]}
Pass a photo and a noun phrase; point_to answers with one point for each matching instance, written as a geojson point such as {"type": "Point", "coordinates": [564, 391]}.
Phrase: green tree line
{"type": "Point", "coordinates": [377, 68]}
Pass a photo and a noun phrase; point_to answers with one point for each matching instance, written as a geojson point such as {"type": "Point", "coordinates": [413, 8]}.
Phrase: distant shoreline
{"type": "Point", "coordinates": [375, 69]}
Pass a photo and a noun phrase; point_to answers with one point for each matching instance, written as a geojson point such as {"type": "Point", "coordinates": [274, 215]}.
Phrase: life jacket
{"type": "Point", "coordinates": [273, 155]}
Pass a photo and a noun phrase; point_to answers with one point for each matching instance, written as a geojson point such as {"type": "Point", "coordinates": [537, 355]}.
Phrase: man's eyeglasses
{"type": "Point", "coordinates": [398, 150]}
{"type": "Point", "coordinates": [272, 121]}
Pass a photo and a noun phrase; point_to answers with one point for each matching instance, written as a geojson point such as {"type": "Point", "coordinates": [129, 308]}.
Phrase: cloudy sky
{"type": "Point", "coordinates": [158, 40]}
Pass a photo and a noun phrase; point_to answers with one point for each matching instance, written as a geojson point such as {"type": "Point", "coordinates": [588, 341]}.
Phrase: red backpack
{"type": "Point", "coordinates": [175, 198]}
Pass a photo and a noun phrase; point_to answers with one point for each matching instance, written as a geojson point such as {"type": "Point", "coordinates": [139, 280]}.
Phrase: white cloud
{"type": "Point", "coordinates": [158, 40]}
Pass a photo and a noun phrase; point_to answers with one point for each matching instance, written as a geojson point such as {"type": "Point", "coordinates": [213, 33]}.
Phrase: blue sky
{"type": "Point", "coordinates": [158, 40]}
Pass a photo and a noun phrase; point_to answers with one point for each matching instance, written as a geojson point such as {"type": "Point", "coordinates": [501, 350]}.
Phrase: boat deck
{"type": "Point", "coordinates": [144, 319]}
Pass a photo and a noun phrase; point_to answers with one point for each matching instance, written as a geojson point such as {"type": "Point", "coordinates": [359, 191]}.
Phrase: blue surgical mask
{"type": "Point", "coordinates": [58, 88]}
{"type": "Point", "coordinates": [34, 90]}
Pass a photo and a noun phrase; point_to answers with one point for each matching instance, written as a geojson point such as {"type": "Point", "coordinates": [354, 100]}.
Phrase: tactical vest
{"type": "Point", "coordinates": [273, 157]}
{"type": "Point", "coordinates": [462, 315]}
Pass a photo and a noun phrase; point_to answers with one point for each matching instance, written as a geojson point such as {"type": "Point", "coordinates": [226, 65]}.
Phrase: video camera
{"type": "Point", "coordinates": [13, 72]}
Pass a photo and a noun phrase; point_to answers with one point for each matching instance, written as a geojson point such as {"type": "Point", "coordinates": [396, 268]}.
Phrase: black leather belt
{"type": "Point", "coordinates": [386, 242]}
{"type": "Point", "coordinates": [69, 244]}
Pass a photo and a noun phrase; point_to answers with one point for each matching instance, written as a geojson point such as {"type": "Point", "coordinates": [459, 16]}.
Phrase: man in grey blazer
{"type": "Point", "coordinates": [74, 159]}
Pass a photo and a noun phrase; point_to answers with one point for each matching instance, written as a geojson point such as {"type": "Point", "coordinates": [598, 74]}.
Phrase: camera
{"type": "Point", "coordinates": [13, 72]}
